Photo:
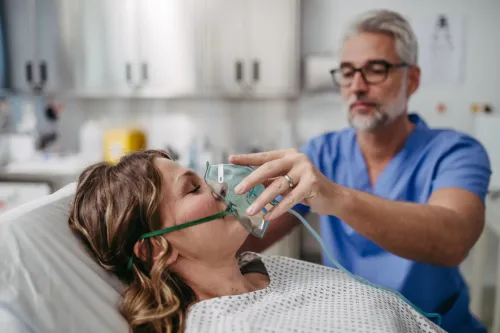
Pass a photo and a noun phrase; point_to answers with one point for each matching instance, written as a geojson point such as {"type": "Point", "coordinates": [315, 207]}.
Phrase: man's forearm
{"type": "Point", "coordinates": [420, 232]}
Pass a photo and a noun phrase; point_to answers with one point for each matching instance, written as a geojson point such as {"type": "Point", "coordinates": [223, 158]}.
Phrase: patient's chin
{"type": "Point", "coordinates": [238, 232]}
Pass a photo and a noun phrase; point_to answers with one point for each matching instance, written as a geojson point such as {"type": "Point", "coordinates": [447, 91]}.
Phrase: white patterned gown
{"type": "Point", "coordinates": [303, 297]}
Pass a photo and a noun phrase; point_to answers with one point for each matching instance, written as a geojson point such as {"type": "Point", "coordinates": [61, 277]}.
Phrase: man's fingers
{"type": "Point", "coordinates": [257, 159]}
{"type": "Point", "coordinates": [262, 174]}
{"type": "Point", "coordinates": [279, 186]}
{"type": "Point", "coordinates": [268, 182]}
{"type": "Point", "coordinates": [293, 197]}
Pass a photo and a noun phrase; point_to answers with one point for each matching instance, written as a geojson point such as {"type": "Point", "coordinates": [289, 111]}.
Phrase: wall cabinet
{"type": "Point", "coordinates": [154, 48]}
{"type": "Point", "coordinates": [38, 41]}
{"type": "Point", "coordinates": [219, 48]}
{"type": "Point", "coordinates": [137, 48]}
{"type": "Point", "coordinates": [253, 46]}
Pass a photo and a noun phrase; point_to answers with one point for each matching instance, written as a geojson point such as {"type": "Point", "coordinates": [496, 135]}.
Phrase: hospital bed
{"type": "Point", "coordinates": [48, 283]}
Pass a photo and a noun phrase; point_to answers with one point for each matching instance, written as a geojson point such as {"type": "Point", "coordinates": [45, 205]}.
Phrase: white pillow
{"type": "Point", "coordinates": [48, 282]}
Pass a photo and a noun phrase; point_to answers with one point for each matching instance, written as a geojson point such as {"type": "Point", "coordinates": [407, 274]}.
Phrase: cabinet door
{"type": "Point", "coordinates": [274, 56]}
{"type": "Point", "coordinates": [55, 37]}
{"type": "Point", "coordinates": [107, 50]}
{"type": "Point", "coordinates": [167, 46]}
{"type": "Point", "coordinates": [92, 72]}
{"type": "Point", "coordinates": [228, 38]}
{"type": "Point", "coordinates": [121, 39]}
{"type": "Point", "coordinates": [20, 31]}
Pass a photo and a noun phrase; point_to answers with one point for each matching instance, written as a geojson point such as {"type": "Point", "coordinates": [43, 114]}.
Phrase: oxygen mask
{"type": "Point", "coordinates": [223, 178]}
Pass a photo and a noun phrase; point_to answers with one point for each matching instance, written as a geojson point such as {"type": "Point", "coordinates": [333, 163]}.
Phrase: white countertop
{"type": "Point", "coordinates": [67, 166]}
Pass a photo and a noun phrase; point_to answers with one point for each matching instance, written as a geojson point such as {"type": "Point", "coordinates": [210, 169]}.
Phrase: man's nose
{"type": "Point", "coordinates": [358, 84]}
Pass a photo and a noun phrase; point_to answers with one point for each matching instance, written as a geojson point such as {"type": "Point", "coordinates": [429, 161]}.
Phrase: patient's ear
{"type": "Point", "coordinates": [158, 248]}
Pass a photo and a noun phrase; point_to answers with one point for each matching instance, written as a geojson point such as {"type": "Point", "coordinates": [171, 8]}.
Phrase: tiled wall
{"type": "Point", "coordinates": [232, 125]}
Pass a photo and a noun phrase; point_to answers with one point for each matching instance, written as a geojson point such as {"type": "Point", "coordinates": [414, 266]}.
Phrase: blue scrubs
{"type": "Point", "coordinates": [430, 160]}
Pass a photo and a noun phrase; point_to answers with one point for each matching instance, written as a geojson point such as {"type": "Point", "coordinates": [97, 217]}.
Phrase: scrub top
{"type": "Point", "coordinates": [431, 159]}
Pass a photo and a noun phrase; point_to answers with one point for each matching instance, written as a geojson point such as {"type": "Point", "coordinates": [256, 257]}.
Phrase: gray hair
{"type": "Point", "coordinates": [388, 22]}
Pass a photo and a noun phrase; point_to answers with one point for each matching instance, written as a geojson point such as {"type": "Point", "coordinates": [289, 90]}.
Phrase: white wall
{"type": "Point", "coordinates": [482, 77]}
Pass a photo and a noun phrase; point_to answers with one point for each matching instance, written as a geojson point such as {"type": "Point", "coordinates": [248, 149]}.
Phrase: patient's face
{"type": "Point", "coordinates": [186, 197]}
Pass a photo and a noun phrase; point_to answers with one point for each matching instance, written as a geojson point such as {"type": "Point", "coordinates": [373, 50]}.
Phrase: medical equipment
{"type": "Point", "coordinates": [223, 178]}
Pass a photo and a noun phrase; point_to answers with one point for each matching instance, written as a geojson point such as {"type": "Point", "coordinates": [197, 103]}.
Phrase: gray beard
{"type": "Point", "coordinates": [383, 116]}
{"type": "Point", "coordinates": [370, 123]}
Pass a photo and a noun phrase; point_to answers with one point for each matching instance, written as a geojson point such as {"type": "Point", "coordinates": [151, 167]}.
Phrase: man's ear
{"type": "Point", "coordinates": [158, 248]}
{"type": "Point", "coordinates": [413, 80]}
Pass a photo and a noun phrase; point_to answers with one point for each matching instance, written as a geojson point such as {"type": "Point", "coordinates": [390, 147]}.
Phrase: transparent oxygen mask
{"type": "Point", "coordinates": [223, 178]}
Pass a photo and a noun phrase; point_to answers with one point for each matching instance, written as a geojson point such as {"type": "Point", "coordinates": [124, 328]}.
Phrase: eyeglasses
{"type": "Point", "coordinates": [375, 71]}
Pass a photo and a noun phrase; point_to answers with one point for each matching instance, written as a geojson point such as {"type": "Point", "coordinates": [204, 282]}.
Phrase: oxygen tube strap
{"type": "Point", "coordinates": [437, 316]}
{"type": "Point", "coordinates": [185, 225]}
{"type": "Point", "coordinates": [178, 227]}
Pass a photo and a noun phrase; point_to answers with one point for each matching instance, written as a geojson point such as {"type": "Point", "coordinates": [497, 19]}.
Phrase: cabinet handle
{"type": "Point", "coordinates": [145, 74]}
{"type": "Point", "coordinates": [43, 73]}
{"type": "Point", "coordinates": [239, 71]}
{"type": "Point", "coordinates": [256, 71]}
{"type": "Point", "coordinates": [128, 72]}
{"type": "Point", "coordinates": [29, 72]}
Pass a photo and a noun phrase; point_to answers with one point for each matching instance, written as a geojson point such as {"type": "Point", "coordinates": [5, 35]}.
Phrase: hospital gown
{"type": "Point", "coordinates": [307, 297]}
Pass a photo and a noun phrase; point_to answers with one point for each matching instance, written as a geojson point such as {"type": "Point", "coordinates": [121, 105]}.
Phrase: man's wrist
{"type": "Point", "coordinates": [336, 199]}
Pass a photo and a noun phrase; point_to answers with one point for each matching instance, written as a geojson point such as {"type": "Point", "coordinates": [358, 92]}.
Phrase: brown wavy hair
{"type": "Point", "coordinates": [113, 206]}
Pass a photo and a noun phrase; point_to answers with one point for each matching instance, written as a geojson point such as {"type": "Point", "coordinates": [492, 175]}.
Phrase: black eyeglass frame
{"type": "Point", "coordinates": [388, 66]}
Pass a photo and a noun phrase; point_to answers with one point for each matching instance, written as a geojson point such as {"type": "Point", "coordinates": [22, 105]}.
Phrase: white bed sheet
{"type": "Point", "coordinates": [48, 283]}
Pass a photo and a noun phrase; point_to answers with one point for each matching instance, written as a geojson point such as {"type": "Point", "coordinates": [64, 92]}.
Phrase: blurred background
{"type": "Point", "coordinates": [86, 80]}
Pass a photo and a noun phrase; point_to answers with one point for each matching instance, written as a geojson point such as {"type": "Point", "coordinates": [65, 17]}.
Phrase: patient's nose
{"type": "Point", "coordinates": [219, 189]}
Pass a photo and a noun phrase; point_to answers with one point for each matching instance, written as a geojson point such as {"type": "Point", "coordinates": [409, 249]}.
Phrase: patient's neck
{"type": "Point", "coordinates": [210, 280]}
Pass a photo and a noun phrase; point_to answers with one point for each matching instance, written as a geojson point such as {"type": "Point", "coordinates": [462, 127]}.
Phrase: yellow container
{"type": "Point", "coordinates": [120, 142]}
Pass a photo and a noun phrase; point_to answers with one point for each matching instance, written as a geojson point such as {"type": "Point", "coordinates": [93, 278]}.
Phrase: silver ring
{"type": "Point", "coordinates": [289, 180]}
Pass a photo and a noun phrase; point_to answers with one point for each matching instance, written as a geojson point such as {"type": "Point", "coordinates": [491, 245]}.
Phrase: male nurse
{"type": "Point", "coordinates": [401, 203]}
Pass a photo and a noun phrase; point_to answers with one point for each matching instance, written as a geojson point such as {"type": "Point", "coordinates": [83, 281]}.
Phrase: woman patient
{"type": "Point", "coordinates": [191, 280]}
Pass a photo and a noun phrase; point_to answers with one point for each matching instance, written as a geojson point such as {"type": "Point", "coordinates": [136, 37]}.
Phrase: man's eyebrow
{"type": "Point", "coordinates": [369, 61]}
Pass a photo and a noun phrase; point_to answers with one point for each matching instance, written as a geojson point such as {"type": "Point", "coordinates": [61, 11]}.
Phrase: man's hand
{"type": "Point", "coordinates": [309, 185]}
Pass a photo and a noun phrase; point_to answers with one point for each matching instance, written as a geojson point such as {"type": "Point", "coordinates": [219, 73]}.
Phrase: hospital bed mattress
{"type": "Point", "coordinates": [48, 283]}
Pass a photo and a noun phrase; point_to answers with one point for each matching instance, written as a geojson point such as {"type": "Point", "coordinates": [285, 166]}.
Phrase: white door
{"type": "Point", "coordinates": [107, 55]}
{"type": "Point", "coordinates": [274, 56]}
{"type": "Point", "coordinates": [55, 19]}
{"type": "Point", "coordinates": [122, 45]}
{"type": "Point", "coordinates": [228, 24]}
{"type": "Point", "coordinates": [92, 73]}
{"type": "Point", "coordinates": [166, 44]}
{"type": "Point", "coordinates": [21, 25]}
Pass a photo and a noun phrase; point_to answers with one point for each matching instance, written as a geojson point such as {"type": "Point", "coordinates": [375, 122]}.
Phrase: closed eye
{"type": "Point", "coordinates": [195, 189]}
